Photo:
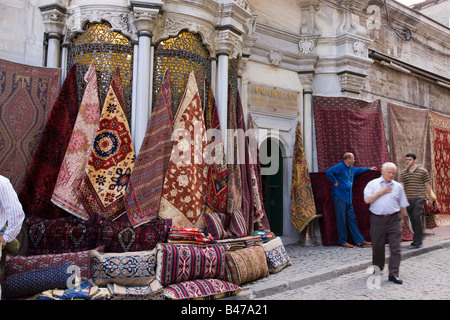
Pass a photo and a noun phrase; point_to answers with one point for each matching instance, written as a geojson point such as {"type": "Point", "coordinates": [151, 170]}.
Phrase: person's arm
{"type": "Point", "coordinates": [331, 174]}
{"type": "Point", "coordinates": [359, 170]}
{"type": "Point", "coordinates": [13, 209]}
{"type": "Point", "coordinates": [429, 192]}
{"type": "Point", "coordinates": [369, 198]}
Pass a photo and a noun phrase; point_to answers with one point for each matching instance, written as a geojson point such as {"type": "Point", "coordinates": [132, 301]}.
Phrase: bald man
{"type": "Point", "coordinates": [341, 176]}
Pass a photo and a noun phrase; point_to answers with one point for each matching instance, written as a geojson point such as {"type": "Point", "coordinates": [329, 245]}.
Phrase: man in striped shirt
{"type": "Point", "coordinates": [11, 214]}
{"type": "Point", "coordinates": [416, 182]}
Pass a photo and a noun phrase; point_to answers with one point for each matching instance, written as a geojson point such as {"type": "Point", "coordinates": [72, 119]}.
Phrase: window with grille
{"type": "Point", "coordinates": [181, 55]}
{"type": "Point", "coordinates": [108, 49]}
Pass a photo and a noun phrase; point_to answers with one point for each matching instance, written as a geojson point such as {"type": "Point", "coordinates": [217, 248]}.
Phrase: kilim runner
{"type": "Point", "coordinates": [217, 181]}
{"type": "Point", "coordinates": [145, 186]}
{"type": "Point", "coordinates": [111, 160]}
{"type": "Point", "coordinates": [66, 194]}
{"type": "Point", "coordinates": [183, 195]}
{"type": "Point", "coordinates": [303, 209]}
{"type": "Point", "coordinates": [39, 183]}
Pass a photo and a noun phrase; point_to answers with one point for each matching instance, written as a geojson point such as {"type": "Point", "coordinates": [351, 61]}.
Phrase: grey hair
{"type": "Point", "coordinates": [389, 165]}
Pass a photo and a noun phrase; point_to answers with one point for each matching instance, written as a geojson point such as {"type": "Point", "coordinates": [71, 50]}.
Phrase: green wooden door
{"type": "Point", "coordinates": [273, 191]}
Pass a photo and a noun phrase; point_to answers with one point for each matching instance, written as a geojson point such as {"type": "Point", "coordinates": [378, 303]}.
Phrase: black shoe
{"type": "Point", "coordinates": [416, 245]}
{"type": "Point", "coordinates": [395, 279]}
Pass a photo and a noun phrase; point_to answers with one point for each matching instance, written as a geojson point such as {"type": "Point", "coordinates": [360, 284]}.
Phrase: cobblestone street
{"type": "Point", "coordinates": [336, 273]}
{"type": "Point", "coordinates": [424, 277]}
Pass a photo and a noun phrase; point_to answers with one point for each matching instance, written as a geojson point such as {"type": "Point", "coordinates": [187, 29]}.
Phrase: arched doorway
{"type": "Point", "coordinates": [273, 185]}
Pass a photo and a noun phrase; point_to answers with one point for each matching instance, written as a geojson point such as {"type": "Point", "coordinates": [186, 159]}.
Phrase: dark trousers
{"type": "Point", "coordinates": [415, 209]}
{"type": "Point", "coordinates": [388, 228]}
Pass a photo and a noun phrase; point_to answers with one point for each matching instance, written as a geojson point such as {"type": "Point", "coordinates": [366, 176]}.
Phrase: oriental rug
{"type": "Point", "coordinates": [66, 194]}
{"type": "Point", "coordinates": [217, 180]}
{"type": "Point", "coordinates": [246, 177]}
{"type": "Point", "coordinates": [321, 187]}
{"type": "Point", "coordinates": [183, 195]}
{"type": "Point", "coordinates": [144, 190]}
{"type": "Point", "coordinates": [27, 94]}
{"type": "Point", "coordinates": [440, 156]}
{"type": "Point", "coordinates": [404, 140]}
{"type": "Point", "coordinates": [111, 159]}
{"type": "Point", "coordinates": [234, 202]}
{"type": "Point", "coordinates": [39, 182]}
{"type": "Point", "coordinates": [303, 209]}
{"type": "Point", "coordinates": [261, 220]}
{"type": "Point", "coordinates": [345, 124]}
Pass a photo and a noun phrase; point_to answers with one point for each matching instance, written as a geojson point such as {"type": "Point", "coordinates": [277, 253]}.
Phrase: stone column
{"type": "Point", "coordinates": [308, 119]}
{"type": "Point", "coordinates": [222, 93]}
{"type": "Point", "coordinates": [145, 18]}
{"type": "Point", "coordinates": [54, 17]}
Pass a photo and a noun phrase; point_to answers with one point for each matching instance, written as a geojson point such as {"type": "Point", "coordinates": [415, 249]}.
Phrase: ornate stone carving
{"type": "Point", "coordinates": [170, 27]}
{"type": "Point", "coordinates": [306, 46]}
{"type": "Point", "coordinates": [79, 16]}
{"type": "Point", "coordinates": [275, 57]}
{"type": "Point", "coordinates": [359, 48]}
{"type": "Point", "coordinates": [54, 18]}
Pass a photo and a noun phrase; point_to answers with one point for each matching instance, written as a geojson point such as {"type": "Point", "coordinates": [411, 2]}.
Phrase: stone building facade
{"type": "Point", "coordinates": [363, 49]}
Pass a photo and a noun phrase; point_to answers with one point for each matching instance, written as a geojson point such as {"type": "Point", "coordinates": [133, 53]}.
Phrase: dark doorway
{"type": "Point", "coordinates": [273, 188]}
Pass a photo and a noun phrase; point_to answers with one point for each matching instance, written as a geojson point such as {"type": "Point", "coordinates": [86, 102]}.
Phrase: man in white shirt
{"type": "Point", "coordinates": [11, 214]}
{"type": "Point", "coordinates": [388, 202]}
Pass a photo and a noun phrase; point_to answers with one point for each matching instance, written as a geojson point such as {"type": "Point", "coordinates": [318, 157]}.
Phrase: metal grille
{"type": "Point", "coordinates": [181, 55]}
{"type": "Point", "coordinates": [109, 50]}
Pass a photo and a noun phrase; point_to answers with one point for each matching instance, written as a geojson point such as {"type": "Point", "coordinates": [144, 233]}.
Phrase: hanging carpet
{"type": "Point", "coordinates": [66, 194]}
{"type": "Point", "coordinates": [440, 162]}
{"type": "Point", "coordinates": [39, 182]}
{"type": "Point", "coordinates": [345, 124]}
{"type": "Point", "coordinates": [111, 159]}
{"type": "Point", "coordinates": [217, 180]}
{"type": "Point", "coordinates": [404, 140]}
{"type": "Point", "coordinates": [27, 94]}
{"type": "Point", "coordinates": [143, 195]}
{"type": "Point", "coordinates": [256, 186]}
{"type": "Point", "coordinates": [303, 209]}
{"type": "Point", "coordinates": [183, 195]}
{"type": "Point", "coordinates": [244, 162]}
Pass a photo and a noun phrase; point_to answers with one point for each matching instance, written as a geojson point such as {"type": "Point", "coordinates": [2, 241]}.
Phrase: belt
{"type": "Point", "coordinates": [385, 215]}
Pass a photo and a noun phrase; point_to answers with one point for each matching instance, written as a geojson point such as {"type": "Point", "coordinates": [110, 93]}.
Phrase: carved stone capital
{"type": "Point", "coordinates": [145, 18]}
{"type": "Point", "coordinates": [54, 17]}
{"type": "Point", "coordinates": [228, 42]}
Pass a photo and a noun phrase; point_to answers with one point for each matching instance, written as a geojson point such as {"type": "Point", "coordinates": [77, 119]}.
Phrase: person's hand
{"type": "Point", "coordinates": [336, 184]}
{"type": "Point", "coordinates": [384, 190]}
{"type": "Point", "coordinates": [373, 168]}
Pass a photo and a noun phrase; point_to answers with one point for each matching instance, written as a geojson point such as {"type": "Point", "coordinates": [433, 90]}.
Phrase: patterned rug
{"type": "Point", "coordinates": [246, 178]}
{"type": "Point", "coordinates": [217, 181]}
{"type": "Point", "coordinates": [258, 201]}
{"type": "Point", "coordinates": [111, 160]}
{"type": "Point", "coordinates": [184, 188]}
{"type": "Point", "coordinates": [440, 155]}
{"type": "Point", "coordinates": [345, 124]}
{"type": "Point", "coordinates": [321, 187]}
{"type": "Point", "coordinates": [145, 186]}
{"type": "Point", "coordinates": [403, 139]}
{"type": "Point", "coordinates": [234, 202]}
{"type": "Point", "coordinates": [303, 209]}
{"type": "Point", "coordinates": [39, 182]}
{"type": "Point", "coordinates": [27, 94]}
{"type": "Point", "coordinates": [73, 168]}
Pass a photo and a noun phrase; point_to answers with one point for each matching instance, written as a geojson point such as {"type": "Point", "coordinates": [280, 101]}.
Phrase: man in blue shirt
{"type": "Point", "coordinates": [342, 175]}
